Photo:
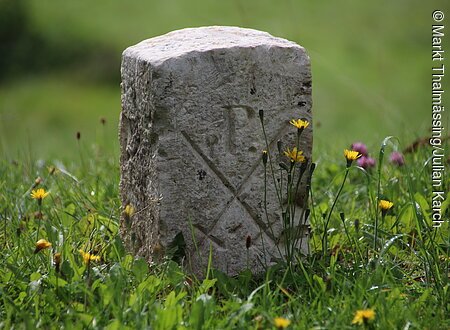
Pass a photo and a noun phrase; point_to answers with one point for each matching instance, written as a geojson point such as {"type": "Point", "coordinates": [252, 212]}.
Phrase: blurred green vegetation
{"type": "Point", "coordinates": [60, 64]}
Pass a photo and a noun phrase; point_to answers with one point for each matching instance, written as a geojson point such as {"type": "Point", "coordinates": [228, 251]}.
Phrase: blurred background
{"type": "Point", "coordinates": [60, 65]}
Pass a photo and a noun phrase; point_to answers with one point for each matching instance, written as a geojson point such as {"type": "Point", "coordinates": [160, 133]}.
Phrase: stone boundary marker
{"type": "Point", "coordinates": [191, 143]}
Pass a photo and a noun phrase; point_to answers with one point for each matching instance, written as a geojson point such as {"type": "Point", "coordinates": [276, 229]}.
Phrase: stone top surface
{"type": "Point", "coordinates": [202, 39]}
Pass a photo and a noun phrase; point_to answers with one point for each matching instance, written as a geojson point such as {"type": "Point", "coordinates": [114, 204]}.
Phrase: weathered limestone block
{"type": "Point", "coordinates": [191, 143]}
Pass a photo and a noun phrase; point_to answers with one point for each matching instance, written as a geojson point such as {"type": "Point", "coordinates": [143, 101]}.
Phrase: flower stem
{"type": "Point", "coordinates": [270, 164]}
{"type": "Point", "coordinates": [325, 237]}
{"type": "Point", "coordinates": [39, 222]}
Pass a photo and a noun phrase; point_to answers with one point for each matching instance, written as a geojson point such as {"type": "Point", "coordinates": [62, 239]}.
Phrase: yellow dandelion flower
{"type": "Point", "coordinates": [281, 322]}
{"type": "Point", "coordinates": [363, 316]}
{"type": "Point", "coordinates": [87, 257]}
{"type": "Point", "coordinates": [299, 123]}
{"type": "Point", "coordinates": [351, 155]}
{"type": "Point", "coordinates": [295, 155]}
{"type": "Point", "coordinates": [41, 245]}
{"type": "Point", "coordinates": [39, 194]}
{"type": "Point", "coordinates": [385, 205]}
{"type": "Point", "coordinates": [129, 210]}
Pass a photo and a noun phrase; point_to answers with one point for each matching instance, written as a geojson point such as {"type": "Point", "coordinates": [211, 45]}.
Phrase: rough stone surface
{"type": "Point", "coordinates": [191, 143]}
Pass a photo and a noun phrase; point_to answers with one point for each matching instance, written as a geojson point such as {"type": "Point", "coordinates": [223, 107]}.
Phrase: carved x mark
{"type": "Point", "coordinates": [234, 191]}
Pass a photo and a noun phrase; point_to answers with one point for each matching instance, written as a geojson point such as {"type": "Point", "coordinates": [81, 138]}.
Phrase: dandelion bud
{"type": "Point", "coordinates": [38, 215]}
{"type": "Point", "coordinates": [357, 223]}
{"type": "Point", "coordinates": [279, 146]}
{"type": "Point", "coordinates": [51, 170]}
{"type": "Point", "coordinates": [303, 166]}
{"type": "Point", "coordinates": [264, 157]}
{"type": "Point", "coordinates": [258, 320]}
{"type": "Point", "coordinates": [57, 261]}
{"type": "Point", "coordinates": [128, 212]}
{"type": "Point", "coordinates": [37, 182]}
{"type": "Point", "coordinates": [248, 242]}
{"type": "Point", "coordinates": [261, 115]}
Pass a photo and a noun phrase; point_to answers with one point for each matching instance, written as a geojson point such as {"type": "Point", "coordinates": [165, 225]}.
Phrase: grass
{"type": "Point", "coordinates": [371, 71]}
{"type": "Point", "coordinates": [404, 278]}
{"type": "Point", "coordinates": [370, 63]}
{"type": "Point", "coordinates": [43, 114]}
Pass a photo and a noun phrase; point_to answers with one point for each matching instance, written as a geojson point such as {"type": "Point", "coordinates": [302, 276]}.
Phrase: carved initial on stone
{"type": "Point", "coordinates": [236, 116]}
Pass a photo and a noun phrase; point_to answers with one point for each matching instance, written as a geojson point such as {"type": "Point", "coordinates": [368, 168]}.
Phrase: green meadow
{"type": "Point", "coordinates": [372, 264]}
{"type": "Point", "coordinates": [370, 63]}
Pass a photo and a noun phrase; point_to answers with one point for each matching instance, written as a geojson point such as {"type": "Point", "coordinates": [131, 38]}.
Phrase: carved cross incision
{"type": "Point", "coordinates": [235, 118]}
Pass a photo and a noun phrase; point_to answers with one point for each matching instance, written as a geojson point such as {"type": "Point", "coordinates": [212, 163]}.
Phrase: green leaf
{"type": "Point", "coordinates": [424, 207]}
{"type": "Point", "coordinates": [116, 325]}
{"type": "Point", "coordinates": [85, 318]}
{"type": "Point", "coordinates": [388, 244]}
{"type": "Point", "coordinates": [67, 270]}
{"type": "Point", "coordinates": [320, 282]}
{"type": "Point", "coordinates": [407, 218]}
{"type": "Point", "coordinates": [150, 284]}
{"type": "Point", "coordinates": [67, 217]}
{"type": "Point", "coordinates": [35, 276]}
{"type": "Point", "coordinates": [206, 285]}
{"type": "Point", "coordinates": [172, 314]}
{"type": "Point", "coordinates": [57, 281]}
{"type": "Point", "coordinates": [140, 269]}
{"type": "Point", "coordinates": [70, 209]}
{"type": "Point", "coordinates": [197, 317]}
{"type": "Point", "coordinates": [445, 204]}
{"type": "Point", "coordinates": [19, 300]}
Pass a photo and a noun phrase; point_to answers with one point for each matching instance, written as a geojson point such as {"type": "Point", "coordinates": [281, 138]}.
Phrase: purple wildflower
{"type": "Point", "coordinates": [360, 147]}
{"type": "Point", "coordinates": [366, 162]}
{"type": "Point", "coordinates": [396, 158]}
